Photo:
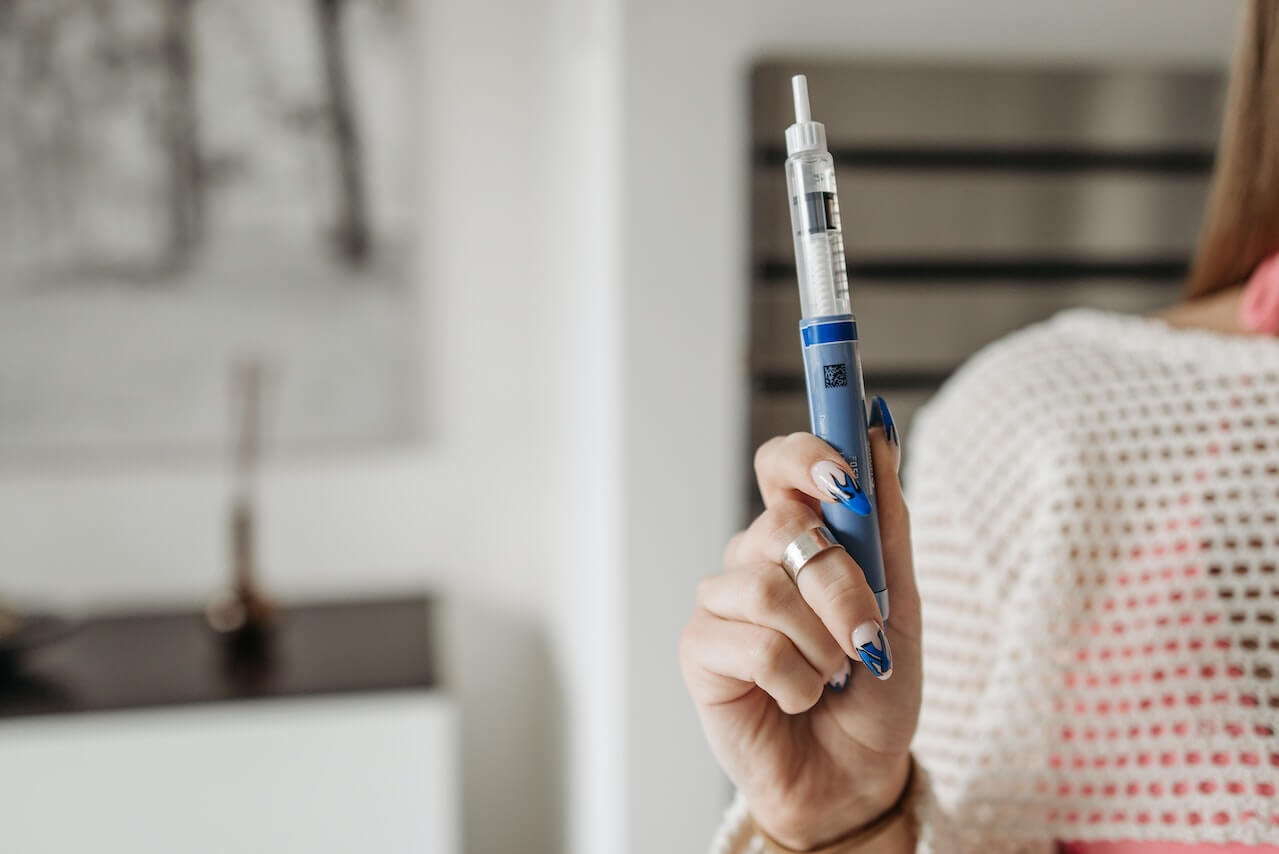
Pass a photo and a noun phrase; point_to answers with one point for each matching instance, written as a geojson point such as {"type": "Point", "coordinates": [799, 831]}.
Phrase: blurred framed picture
{"type": "Point", "coordinates": [189, 184]}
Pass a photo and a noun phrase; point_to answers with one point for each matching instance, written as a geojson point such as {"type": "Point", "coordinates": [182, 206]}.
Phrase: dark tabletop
{"type": "Point", "coordinates": [130, 661]}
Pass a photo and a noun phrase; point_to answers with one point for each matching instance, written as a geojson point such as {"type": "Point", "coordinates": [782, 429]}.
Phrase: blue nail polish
{"type": "Point", "coordinates": [880, 416]}
{"type": "Point", "coordinates": [841, 679]}
{"type": "Point", "coordinates": [849, 493]}
{"type": "Point", "coordinates": [872, 649]}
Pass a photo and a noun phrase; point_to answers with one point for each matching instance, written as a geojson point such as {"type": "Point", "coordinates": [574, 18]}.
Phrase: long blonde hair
{"type": "Point", "coordinates": [1241, 222]}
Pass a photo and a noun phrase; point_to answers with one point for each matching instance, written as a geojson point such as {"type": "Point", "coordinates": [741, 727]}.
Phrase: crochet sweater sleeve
{"type": "Point", "coordinates": [1095, 503]}
{"type": "Point", "coordinates": [1095, 513]}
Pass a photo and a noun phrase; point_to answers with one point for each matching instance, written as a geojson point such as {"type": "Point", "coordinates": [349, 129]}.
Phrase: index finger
{"type": "Point", "coordinates": [803, 467]}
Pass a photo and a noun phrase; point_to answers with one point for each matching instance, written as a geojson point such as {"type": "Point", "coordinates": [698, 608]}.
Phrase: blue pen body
{"type": "Point", "coordinates": [828, 333]}
{"type": "Point", "coordinates": [837, 413]}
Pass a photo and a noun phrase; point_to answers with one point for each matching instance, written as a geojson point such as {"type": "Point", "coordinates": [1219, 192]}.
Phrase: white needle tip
{"type": "Point", "coordinates": [799, 87]}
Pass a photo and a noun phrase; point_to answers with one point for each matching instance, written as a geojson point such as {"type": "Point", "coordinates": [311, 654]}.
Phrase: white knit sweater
{"type": "Point", "coordinates": [1095, 507]}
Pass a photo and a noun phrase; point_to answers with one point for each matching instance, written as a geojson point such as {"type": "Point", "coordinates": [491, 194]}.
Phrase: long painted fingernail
{"type": "Point", "coordinates": [839, 681]}
{"type": "Point", "coordinates": [880, 416]}
{"type": "Point", "coordinates": [872, 648]}
{"type": "Point", "coordinates": [841, 485]}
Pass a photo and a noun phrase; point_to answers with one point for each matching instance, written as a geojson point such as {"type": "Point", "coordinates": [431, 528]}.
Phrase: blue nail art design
{"type": "Point", "coordinates": [849, 493]}
{"type": "Point", "coordinates": [876, 657]}
{"type": "Point", "coordinates": [881, 417]}
{"type": "Point", "coordinates": [841, 684]}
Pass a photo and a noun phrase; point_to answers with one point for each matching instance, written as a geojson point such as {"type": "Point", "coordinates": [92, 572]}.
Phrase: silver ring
{"type": "Point", "coordinates": [805, 547]}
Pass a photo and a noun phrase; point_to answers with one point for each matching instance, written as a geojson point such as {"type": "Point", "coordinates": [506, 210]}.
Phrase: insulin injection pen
{"type": "Point", "coordinates": [828, 331]}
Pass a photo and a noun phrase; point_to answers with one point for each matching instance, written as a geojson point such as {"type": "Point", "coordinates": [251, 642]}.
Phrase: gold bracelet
{"type": "Point", "coordinates": [858, 835]}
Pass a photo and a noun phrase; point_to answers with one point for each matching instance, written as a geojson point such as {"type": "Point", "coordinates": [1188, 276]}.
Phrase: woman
{"type": "Point", "coordinates": [1096, 512]}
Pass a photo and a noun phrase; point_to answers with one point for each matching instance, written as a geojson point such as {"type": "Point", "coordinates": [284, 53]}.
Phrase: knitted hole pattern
{"type": "Point", "coordinates": [1095, 513]}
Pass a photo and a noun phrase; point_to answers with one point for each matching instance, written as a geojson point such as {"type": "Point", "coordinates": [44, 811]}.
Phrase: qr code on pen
{"type": "Point", "coordinates": [835, 375]}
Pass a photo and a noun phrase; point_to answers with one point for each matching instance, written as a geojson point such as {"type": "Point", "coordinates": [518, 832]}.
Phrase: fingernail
{"type": "Point", "coordinates": [841, 485]}
{"type": "Point", "coordinates": [880, 416]}
{"type": "Point", "coordinates": [872, 648]}
{"type": "Point", "coordinates": [839, 681]}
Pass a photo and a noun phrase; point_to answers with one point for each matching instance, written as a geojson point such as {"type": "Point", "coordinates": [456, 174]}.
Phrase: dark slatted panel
{"type": "Point", "coordinates": [975, 200]}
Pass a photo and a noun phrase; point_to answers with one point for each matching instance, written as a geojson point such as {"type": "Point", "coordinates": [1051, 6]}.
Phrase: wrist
{"type": "Point", "coordinates": [878, 798]}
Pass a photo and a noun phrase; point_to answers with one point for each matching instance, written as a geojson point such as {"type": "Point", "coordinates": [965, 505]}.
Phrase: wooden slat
{"type": "Point", "coordinates": [1042, 270]}
{"type": "Point", "coordinates": [906, 212]}
{"type": "Point", "coordinates": [917, 327]}
{"type": "Point", "coordinates": [963, 104]}
{"type": "Point", "coordinates": [1039, 159]}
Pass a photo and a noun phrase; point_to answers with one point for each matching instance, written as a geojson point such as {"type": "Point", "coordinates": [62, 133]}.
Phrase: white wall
{"type": "Point", "coordinates": [566, 500]}
{"type": "Point", "coordinates": [512, 452]}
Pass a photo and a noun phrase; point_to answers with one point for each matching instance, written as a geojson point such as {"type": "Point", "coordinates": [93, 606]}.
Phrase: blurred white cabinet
{"type": "Point", "coordinates": [373, 772]}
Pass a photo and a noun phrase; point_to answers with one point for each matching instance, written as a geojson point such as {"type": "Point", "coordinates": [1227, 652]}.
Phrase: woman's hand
{"type": "Point", "coordinates": [817, 750]}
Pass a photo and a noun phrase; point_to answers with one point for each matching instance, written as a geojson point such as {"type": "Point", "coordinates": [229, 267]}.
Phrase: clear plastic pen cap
{"type": "Point", "coordinates": [814, 212]}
